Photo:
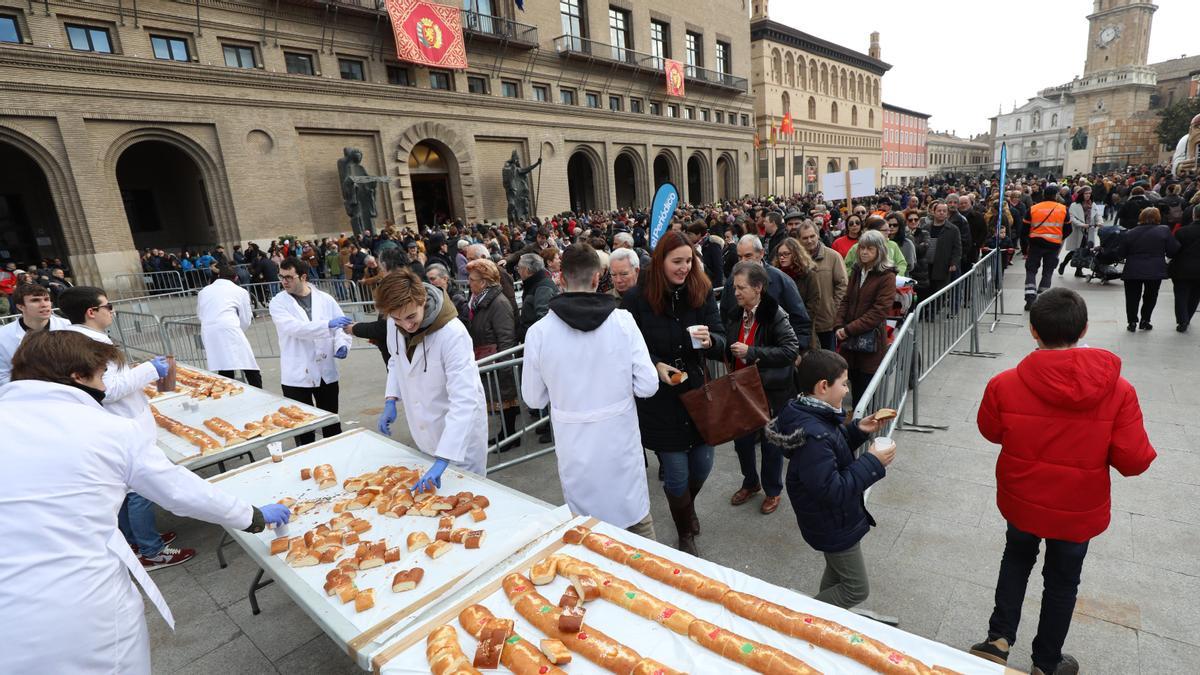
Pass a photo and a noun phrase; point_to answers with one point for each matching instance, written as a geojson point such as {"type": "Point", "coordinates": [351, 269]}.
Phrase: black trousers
{"type": "Point", "coordinates": [1060, 573]}
{"type": "Point", "coordinates": [825, 338]}
{"type": "Point", "coordinates": [253, 377]}
{"type": "Point", "coordinates": [1187, 299]}
{"type": "Point", "coordinates": [1145, 291]}
{"type": "Point", "coordinates": [324, 397]}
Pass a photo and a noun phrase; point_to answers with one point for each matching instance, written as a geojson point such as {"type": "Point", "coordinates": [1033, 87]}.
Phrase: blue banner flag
{"type": "Point", "coordinates": [1000, 187]}
{"type": "Point", "coordinates": [521, 5]}
{"type": "Point", "coordinates": [661, 212]}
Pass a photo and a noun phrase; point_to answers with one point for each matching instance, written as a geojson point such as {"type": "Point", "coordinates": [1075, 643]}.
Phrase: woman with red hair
{"type": "Point", "coordinates": [674, 296]}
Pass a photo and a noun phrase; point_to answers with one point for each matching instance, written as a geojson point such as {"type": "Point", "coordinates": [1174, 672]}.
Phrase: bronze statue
{"type": "Point", "coordinates": [358, 190]}
{"type": "Point", "coordinates": [516, 188]}
{"type": "Point", "coordinates": [1080, 139]}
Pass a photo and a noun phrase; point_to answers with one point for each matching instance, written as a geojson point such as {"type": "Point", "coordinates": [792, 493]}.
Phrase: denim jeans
{"type": "Point", "coordinates": [136, 521]}
{"type": "Point", "coordinates": [1060, 572]}
{"type": "Point", "coordinates": [681, 468]}
{"type": "Point", "coordinates": [771, 478]}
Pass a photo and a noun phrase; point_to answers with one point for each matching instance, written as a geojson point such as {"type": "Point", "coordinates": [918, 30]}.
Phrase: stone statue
{"type": "Point", "coordinates": [516, 188]}
{"type": "Point", "coordinates": [358, 190]}
{"type": "Point", "coordinates": [1080, 139]}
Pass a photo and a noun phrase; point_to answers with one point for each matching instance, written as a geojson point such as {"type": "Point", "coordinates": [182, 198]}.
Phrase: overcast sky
{"type": "Point", "coordinates": [959, 64]}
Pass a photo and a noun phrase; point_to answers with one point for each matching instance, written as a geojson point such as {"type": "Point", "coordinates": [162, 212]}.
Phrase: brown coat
{"type": "Point", "coordinates": [830, 279]}
{"type": "Point", "coordinates": [866, 309]}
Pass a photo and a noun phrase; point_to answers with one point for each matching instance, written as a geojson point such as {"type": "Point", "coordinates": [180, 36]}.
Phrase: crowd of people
{"type": "Point", "coordinates": [794, 288]}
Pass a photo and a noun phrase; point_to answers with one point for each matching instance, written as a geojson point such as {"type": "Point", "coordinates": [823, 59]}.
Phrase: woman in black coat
{"type": "Point", "coordinates": [1145, 249]}
{"type": "Point", "coordinates": [759, 333]}
{"type": "Point", "coordinates": [1185, 272]}
{"type": "Point", "coordinates": [673, 295]}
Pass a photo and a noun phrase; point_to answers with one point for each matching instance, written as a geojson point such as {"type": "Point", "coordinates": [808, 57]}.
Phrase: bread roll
{"type": "Point", "coordinates": [364, 600]}
{"type": "Point", "coordinates": [478, 514]}
{"type": "Point", "coordinates": [279, 545]}
{"type": "Point", "coordinates": [544, 571]}
{"type": "Point", "coordinates": [445, 655]}
{"type": "Point", "coordinates": [556, 652]}
{"type": "Point", "coordinates": [406, 580]}
{"type": "Point", "coordinates": [437, 549]}
{"type": "Point", "coordinates": [417, 540]}
{"type": "Point", "coordinates": [519, 655]}
{"type": "Point", "coordinates": [754, 655]}
{"type": "Point", "coordinates": [474, 539]}
{"type": "Point", "coordinates": [391, 555]}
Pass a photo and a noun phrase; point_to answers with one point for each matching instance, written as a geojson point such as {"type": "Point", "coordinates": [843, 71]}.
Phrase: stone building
{"type": "Point", "coordinates": [833, 94]}
{"type": "Point", "coordinates": [1037, 133]}
{"type": "Point", "coordinates": [905, 145]}
{"type": "Point", "coordinates": [179, 124]}
{"type": "Point", "coordinates": [1178, 80]}
{"type": "Point", "coordinates": [950, 154]}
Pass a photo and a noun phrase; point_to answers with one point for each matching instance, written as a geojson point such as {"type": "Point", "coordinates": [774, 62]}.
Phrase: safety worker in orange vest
{"type": "Point", "coordinates": [1045, 224]}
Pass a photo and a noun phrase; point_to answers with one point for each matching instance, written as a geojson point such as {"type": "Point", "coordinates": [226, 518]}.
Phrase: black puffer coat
{"type": "Point", "coordinates": [664, 422]}
{"type": "Point", "coordinates": [774, 349]}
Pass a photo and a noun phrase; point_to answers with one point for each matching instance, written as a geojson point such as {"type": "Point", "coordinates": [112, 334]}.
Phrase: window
{"type": "Point", "coordinates": [510, 89]}
{"type": "Point", "coordinates": [704, 115]}
{"type": "Point", "coordinates": [871, 118]}
{"type": "Point", "coordinates": [854, 119]}
{"type": "Point", "coordinates": [352, 69]}
{"type": "Point", "coordinates": [593, 99]}
{"type": "Point", "coordinates": [618, 33]}
{"type": "Point", "coordinates": [833, 117]}
{"type": "Point", "coordinates": [89, 39]}
{"type": "Point", "coordinates": [10, 30]}
{"type": "Point", "coordinates": [299, 64]}
{"type": "Point", "coordinates": [567, 97]}
{"type": "Point", "coordinates": [724, 59]}
{"type": "Point", "coordinates": [635, 105]}
{"type": "Point", "coordinates": [1054, 117]}
{"type": "Point", "coordinates": [439, 79]}
{"type": "Point", "coordinates": [541, 92]}
{"type": "Point", "coordinates": [237, 56]}
{"type": "Point", "coordinates": [745, 120]}
{"type": "Point", "coordinates": [720, 117]}
{"type": "Point", "coordinates": [399, 75]}
{"type": "Point", "coordinates": [689, 113]}
{"type": "Point", "coordinates": [169, 48]}
{"type": "Point", "coordinates": [574, 22]}
{"type": "Point", "coordinates": [477, 84]}
{"type": "Point", "coordinates": [672, 110]}
{"type": "Point", "coordinates": [655, 108]}
{"type": "Point", "coordinates": [614, 104]}
{"type": "Point", "coordinates": [1018, 124]}
{"type": "Point", "coordinates": [660, 42]}
{"type": "Point", "coordinates": [694, 52]}
{"type": "Point", "coordinates": [812, 107]}
{"type": "Point", "coordinates": [733, 119]}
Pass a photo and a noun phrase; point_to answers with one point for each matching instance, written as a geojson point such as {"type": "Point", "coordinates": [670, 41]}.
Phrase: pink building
{"type": "Point", "coordinates": [905, 145]}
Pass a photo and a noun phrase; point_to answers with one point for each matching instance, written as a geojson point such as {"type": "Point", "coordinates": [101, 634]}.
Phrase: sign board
{"type": "Point", "coordinates": [665, 201]}
{"type": "Point", "coordinates": [862, 184]}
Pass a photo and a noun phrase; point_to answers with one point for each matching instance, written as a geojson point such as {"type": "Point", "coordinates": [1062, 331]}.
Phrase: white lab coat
{"type": "Point", "coordinates": [307, 346]}
{"type": "Point", "coordinates": [1078, 227]}
{"type": "Point", "coordinates": [597, 440]}
{"type": "Point", "coordinates": [442, 394]}
{"type": "Point", "coordinates": [11, 335]}
{"type": "Point", "coordinates": [123, 386]}
{"type": "Point", "coordinates": [67, 603]}
{"type": "Point", "coordinates": [224, 311]}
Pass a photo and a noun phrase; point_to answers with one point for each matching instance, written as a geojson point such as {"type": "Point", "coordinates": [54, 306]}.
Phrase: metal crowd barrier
{"type": "Point", "coordinates": [145, 283]}
{"type": "Point", "coordinates": [496, 371]}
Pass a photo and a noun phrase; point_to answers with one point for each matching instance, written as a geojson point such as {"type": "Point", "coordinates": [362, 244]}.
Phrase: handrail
{"type": "Point", "coordinates": [499, 27]}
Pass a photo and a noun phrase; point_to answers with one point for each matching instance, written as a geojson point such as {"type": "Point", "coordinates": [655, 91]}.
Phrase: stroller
{"type": "Point", "coordinates": [1103, 262]}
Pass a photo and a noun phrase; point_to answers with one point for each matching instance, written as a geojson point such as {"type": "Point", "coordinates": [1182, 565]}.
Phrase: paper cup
{"type": "Point", "coordinates": [883, 443]}
{"type": "Point", "coordinates": [696, 344]}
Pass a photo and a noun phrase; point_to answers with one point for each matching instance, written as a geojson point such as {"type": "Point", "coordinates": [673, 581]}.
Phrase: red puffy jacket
{"type": "Point", "coordinates": [1062, 417]}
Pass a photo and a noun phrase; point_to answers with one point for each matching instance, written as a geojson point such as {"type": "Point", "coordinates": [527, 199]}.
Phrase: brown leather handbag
{"type": "Point", "coordinates": [728, 407]}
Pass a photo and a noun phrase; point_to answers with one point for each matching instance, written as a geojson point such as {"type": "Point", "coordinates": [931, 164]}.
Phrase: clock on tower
{"type": "Point", "coordinates": [1119, 34]}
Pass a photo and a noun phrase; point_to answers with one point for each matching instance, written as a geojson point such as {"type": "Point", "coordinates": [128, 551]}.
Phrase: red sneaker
{"type": "Point", "coordinates": [167, 538]}
{"type": "Point", "coordinates": [168, 557]}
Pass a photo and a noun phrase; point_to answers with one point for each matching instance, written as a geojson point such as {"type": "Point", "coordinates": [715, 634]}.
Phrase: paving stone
{"type": "Point", "coordinates": [318, 656]}
{"type": "Point", "coordinates": [1163, 656]}
{"type": "Point", "coordinates": [1101, 647]}
{"type": "Point", "coordinates": [1167, 544]}
{"type": "Point", "coordinates": [1141, 597]}
{"type": "Point", "coordinates": [919, 598]}
{"type": "Point", "coordinates": [280, 628]}
{"type": "Point", "coordinates": [964, 552]}
{"type": "Point", "coordinates": [1158, 498]}
{"type": "Point", "coordinates": [234, 658]}
{"type": "Point", "coordinates": [954, 501]}
{"type": "Point", "coordinates": [1175, 466]}
{"type": "Point", "coordinates": [200, 626]}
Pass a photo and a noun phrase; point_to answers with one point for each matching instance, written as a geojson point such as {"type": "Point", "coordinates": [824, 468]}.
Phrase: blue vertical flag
{"type": "Point", "coordinates": [1000, 187]}
{"type": "Point", "coordinates": [662, 210]}
{"type": "Point", "coordinates": [521, 5]}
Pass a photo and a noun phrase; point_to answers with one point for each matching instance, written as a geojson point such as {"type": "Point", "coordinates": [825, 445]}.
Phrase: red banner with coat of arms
{"type": "Point", "coordinates": [674, 72]}
{"type": "Point", "coordinates": [428, 33]}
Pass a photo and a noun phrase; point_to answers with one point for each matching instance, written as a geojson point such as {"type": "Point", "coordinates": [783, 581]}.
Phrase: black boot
{"type": "Point", "coordinates": [694, 489]}
{"type": "Point", "coordinates": [682, 512]}
{"type": "Point", "coordinates": [509, 427]}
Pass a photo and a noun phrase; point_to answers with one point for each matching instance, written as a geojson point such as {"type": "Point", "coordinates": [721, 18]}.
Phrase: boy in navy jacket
{"type": "Point", "coordinates": [825, 482]}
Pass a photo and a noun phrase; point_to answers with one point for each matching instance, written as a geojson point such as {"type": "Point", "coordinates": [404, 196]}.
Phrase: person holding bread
{"type": "Point", "coordinates": [825, 481]}
{"type": "Point", "coordinates": [67, 602]}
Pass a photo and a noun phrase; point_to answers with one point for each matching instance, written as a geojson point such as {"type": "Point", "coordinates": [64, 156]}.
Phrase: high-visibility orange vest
{"type": "Point", "coordinates": [1046, 221]}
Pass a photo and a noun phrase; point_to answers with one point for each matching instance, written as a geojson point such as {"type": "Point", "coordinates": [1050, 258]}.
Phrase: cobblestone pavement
{"type": "Point", "coordinates": [933, 558]}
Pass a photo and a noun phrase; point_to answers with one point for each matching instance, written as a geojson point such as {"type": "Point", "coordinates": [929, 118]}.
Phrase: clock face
{"type": "Point", "coordinates": [1108, 34]}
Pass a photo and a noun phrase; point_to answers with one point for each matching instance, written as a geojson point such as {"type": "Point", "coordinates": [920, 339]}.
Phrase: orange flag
{"type": "Point", "coordinates": [786, 127]}
{"type": "Point", "coordinates": [428, 33]}
{"type": "Point", "coordinates": [774, 134]}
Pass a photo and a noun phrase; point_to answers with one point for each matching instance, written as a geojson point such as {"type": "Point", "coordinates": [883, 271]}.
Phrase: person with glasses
{"type": "Point", "coordinates": [91, 314]}
{"type": "Point", "coordinates": [844, 243]}
{"type": "Point", "coordinates": [309, 324]}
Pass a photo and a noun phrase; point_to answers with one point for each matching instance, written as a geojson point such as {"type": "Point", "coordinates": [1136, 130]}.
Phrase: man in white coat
{"type": "Point", "coordinates": [37, 313]}
{"type": "Point", "coordinates": [432, 372]}
{"type": "Point", "coordinates": [224, 311]}
{"type": "Point", "coordinates": [308, 322]}
{"type": "Point", "coordinates": [587, 360]}
{"type": "Point", "coordinates": [67, 603]}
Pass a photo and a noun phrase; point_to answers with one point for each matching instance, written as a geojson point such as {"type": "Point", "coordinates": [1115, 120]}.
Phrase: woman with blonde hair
{"type": "Point", "coordinates": [862, 316]}
{"type": "Point", "coordinates": [490, 321]}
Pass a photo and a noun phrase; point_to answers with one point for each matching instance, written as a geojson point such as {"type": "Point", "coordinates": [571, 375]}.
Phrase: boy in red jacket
{"type": "Point", "coordinates": [1062, 417]}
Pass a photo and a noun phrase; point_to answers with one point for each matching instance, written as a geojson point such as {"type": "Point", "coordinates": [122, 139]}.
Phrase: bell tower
{"type": "Point", "coordinates": [758, 10]}
{"type": "Point", "coordinates": [1118, 34]}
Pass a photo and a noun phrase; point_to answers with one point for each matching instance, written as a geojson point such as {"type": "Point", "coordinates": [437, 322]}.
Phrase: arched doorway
{"type": "Point", "coordinates": [29, 226]}
{"type": "Point", "coordinates": [625, 177]}
{"type": "Point", "coordinates": [166, 198]}
{"type": "Point", "coordinates": [429, 165]}
{"type": "Point", "coordinates": [831, 166]}
{"type": "Point", "coordinates": [696, 179]}
{"type": "Point", "coordinates": [853, 164]}
{"type": "Point", "coordinates": [581, 182]}
{"type": "Point", "coordinates": [726, 179]}
{"type": "Point", "coordinates": [662, 171]}
{"type": "Point", "coordinates": [810, 175]}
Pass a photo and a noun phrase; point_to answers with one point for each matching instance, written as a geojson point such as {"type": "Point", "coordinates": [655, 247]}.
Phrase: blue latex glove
{"type": "Point", "coordinates": [160, 365]}
{"type": "Point", "coordinates": [387, 417]}
{"type": "Point", "coordinates": [340, 322]}
{"type": "Point", "coordinates": [276, 514]}
{"type": "Point", "coordinates": [341, 352]}
{"type": "Point", "coordinates": [432, 478]}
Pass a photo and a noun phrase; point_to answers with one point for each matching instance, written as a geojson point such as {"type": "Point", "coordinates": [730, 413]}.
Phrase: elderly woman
{"type": "Point", "coordinates": [490, 320]}
{"type": "Point", "coordinates": [861, 331]}
{"type": "Point", "coordinates": [553, 259]}
{"type": "Point", "coordinates": [439, 275]}
{"type": "Point", "coordinates": [760, 334]}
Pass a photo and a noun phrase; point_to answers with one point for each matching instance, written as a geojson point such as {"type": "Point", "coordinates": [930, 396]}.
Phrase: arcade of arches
{"type": "Point", "coordinates": [165, 197]}
{"type": "Point", "coordinates": [29, 226]}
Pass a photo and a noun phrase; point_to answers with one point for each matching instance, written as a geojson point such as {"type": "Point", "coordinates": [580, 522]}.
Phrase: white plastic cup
{"type": "Point", "coordinates": [883, 443]}
{"type": "Point", "coordinates": [696, 344]}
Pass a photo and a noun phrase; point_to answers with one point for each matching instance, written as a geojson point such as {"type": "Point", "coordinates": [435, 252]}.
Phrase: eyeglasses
{"type": "Point", "coordinates": [109, 307]}
{"type": "Point", "coordinates": [913, 220]}
{"type": "Point", "coordinates": [288, 277]}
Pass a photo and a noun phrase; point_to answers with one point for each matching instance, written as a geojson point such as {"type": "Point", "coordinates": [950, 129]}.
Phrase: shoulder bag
{"type": "Point", "coordinates": [728, 407]}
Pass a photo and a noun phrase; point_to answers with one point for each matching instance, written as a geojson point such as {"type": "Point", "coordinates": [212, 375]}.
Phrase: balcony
{"type": "Point", "coordinates": [573, 47]}
{"type": "Point", "coordinates": [498, 28]}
